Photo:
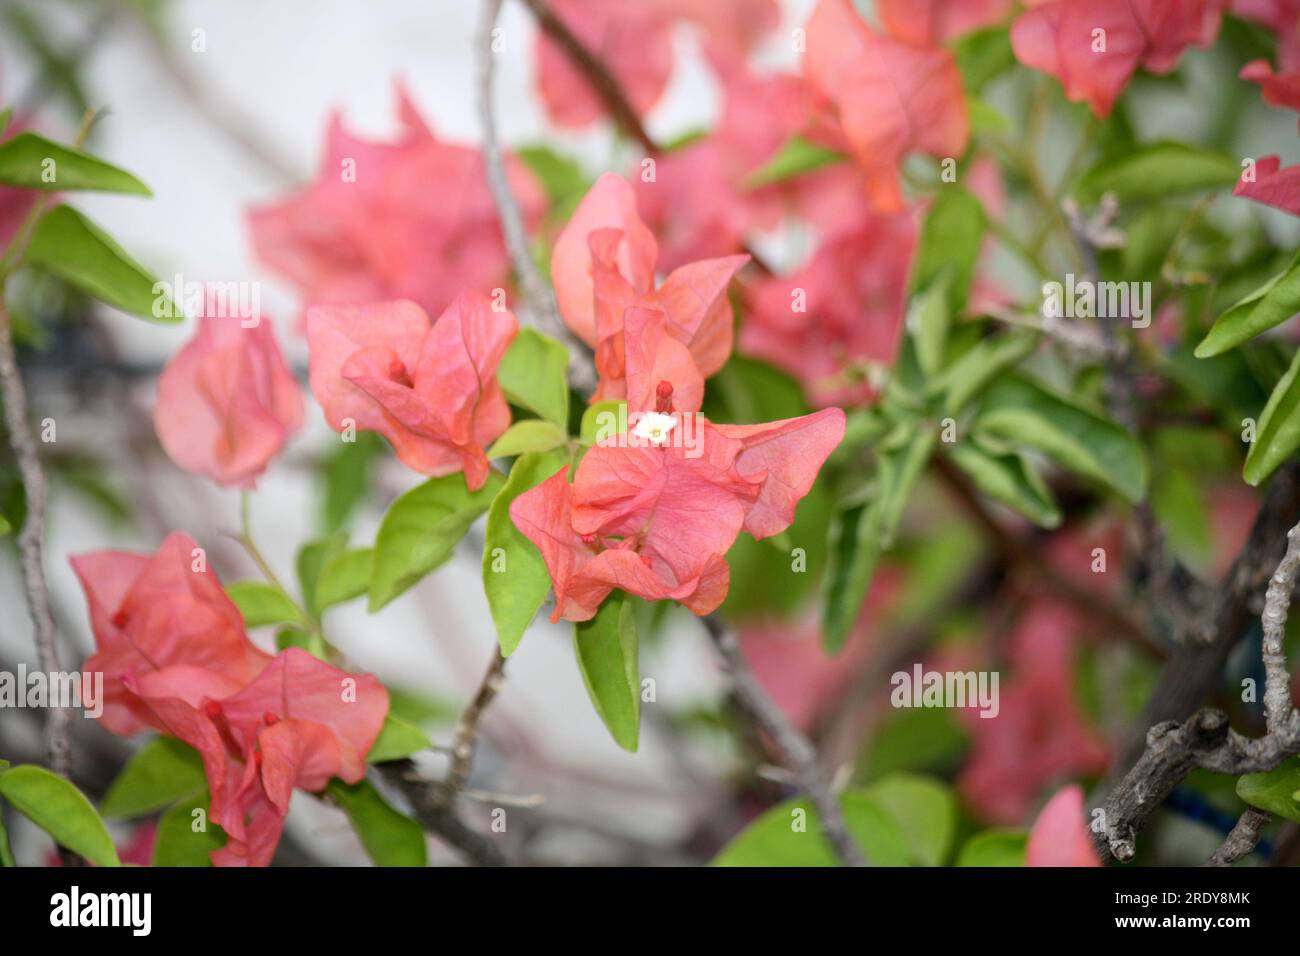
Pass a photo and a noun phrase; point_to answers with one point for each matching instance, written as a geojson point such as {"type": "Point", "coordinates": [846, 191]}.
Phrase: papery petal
{"type": "Point", "coordinates": [543, 515]}
{"type": "Point", "coordinates": [937, 21]}
{"type": "Point", "coordinates": [298, 686]}
{"type": "Point", "coordinates": [296, 753]}
{"type": "Point", "coordinates": [785, 457]}
{"type": "Point", "coordinates": [1059, 836]}
{"type": "Point", "coordinates": [701, 593]}
{"type": "Point", "coordinates": [694, 298]}
{"type": "Point", "coordinates": [1273, 185]}
{"type": "Point", "coordinates": [609, 204]}
{"type": "Point", "coordinates": [653, 357]}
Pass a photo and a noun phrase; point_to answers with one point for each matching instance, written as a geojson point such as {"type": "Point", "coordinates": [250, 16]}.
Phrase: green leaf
{"type": "Point", "coordinates": [928, 320]}
{"type": "Point", "coordinates": [561, 177]}
{"type": "Point", "coordinates": [515, 578]}
{"type": "Point", "coordinates": [1025, 413]}
{"type": "Point", "coordinates": [397, 739]}
{"type": "Point", "coordinates": [997, 847]}
{"type": "Point", "coordinates": [421, 530]}
{"type": "Point", "coordinates": [345, 576]}
{"type": "Point", "coordinates": [967, 377]}
{"type": "Point", "coordinates": [925, 811]}
{"type": "Point", "coordinates": [345, 476]}
{"type": "Point", "coordinates": [1274, 791]}
{"type": "Point", "coordinates": [1157, 170]}
{"type": "Point", "coordinates": [789, 834]}
{"type": "Point", "coordinates": [309, 641]}
{"type": "Point", "coordinates": [61, 810]}
{"type": "Point", "coordinates": [186, 836]}
{"type": "Point", "coordinates": [160, 773]}
{"type": "Point", "coordinates": [607, 656]}
{"type": "Point", "coordinates": [25, 159]}
{"type": "Point", "coordinates": [531, 434]}
{"type": "Point", "coordinates": [311, 561]}
{"type": "Point", "coordinates": [603, 420]}
{"type": "Point", "coordinates": [534, 374]}
{"type": "Point", "coordinates": [795, 157]}
{"type": "Point", "coordinates": [982, 55]}
{"type": "Point", "coordinates": [1278, 433]}
{"type": "Point", "coordinates": [5, 527]}
{"type": "Point", "coordinates": [951, 239]}
{"type": "Point", "coordinates": [919, 738]}
{"type": "Point", "coordinates": [68, 245]}
{"type": "Point", "coordinates": [262, 603]}
{"type": "Point", "coordinates": [6, 852]}
{"type": "Point", "coordinates": [861, 532]}
{"type": "Point", "coordinates": [1268, 306]}
{"type": "Point", "coordinates": [1009, 479]}
{"type": "Point", "coordinates": [5, 116]}
{"type": "Point", "coordinates": [390, 838]}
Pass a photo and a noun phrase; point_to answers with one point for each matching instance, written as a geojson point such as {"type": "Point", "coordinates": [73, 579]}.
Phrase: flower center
{"type": "Point", "coordinates": [654, 427]}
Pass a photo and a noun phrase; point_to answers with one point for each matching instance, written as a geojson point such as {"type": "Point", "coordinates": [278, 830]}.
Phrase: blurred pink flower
{"type": "Point", "coordinates": [1059, 837]}
{"type": "Point", "coordinates": [1039, 736]}
{"type": "Point", "coordinates": [411, 219]}
{"type": "Point", "coordinates": [938, 21]}
{"type": "Point", "coordinates": [429, 388]}
{"type": "Point", "coordinates": [889, 97]}
{"type": "Point", "coordinates": [1272, 185]}
{"type": "Point", "coordinates": [603, 266]}
{"type": "Point", "coordinates": [1094, 46]}
{"type": "Point", "coordinates": [634, 40]}
{"type": "Point", "coordinates": [836, 323]}
{"type": "Point", "coordinates": [227, 402]}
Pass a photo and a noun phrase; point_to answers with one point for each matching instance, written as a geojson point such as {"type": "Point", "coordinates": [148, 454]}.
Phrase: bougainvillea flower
{"type": "Point", "coordinates": [634, 40]}
{"type": "Point", "coordinates": [699, 203]}
{"type": "Point", "coordinates": [1039, 736]}
{"type": "Point", "coordinates": [430, 388]}
{"type": "Point", "coordinates": [1272, 185]}
{"type": "Point", "coordinates": [654, 511]}
{"type": "Point", "coordinates": [227, 402]}
{"type": "Point", "coordinates": [1059, 837]}
{"type": "Point", "coordinates": [176, 658]}
{"type": "Point", "coordinates": [938, 21]}
{"type": "Point", "coordinates": [836, 323]}
{"type": "Point", "coordinates": [371, 229]}
{"type": "Point", "coordinates": [889, 97]}
{"type": "Point", "coordinates": [603, 267]}
{"type": "Point", "coordinates": [1094, 46]}
{"type": "Point", "coordinates": [162, 612]}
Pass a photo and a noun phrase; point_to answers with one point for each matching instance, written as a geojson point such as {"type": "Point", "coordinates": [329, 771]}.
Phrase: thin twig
{"type": "Point", "coordinates": [796, 752]}
{"type": "Point", "coordinates": [1277, 602]}
{"type": "Point", "coordinates": [440, 817]}
{"type": "Point", "coordinates": [1242, 839]}
{"type": "Point", "coordinates": [538, 295]}
{"type": "Point", "coordinates": [466, 739]}
{"type": "Point", "coordinates": [23, 443]}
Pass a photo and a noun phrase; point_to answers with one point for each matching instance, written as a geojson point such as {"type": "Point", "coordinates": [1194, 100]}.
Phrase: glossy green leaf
{"type": "Point", "coordinates": [397, 739]}
{"type": "Point", "coordinates": [534, 374]}
{"type": "Point", "coordinates": [1025, 413]}
{"type": "Point", "coordinates": [161, 772]}
{"type": "Point", "coordinates": [967, 377]}
{"type": "Point", "coordinates": [262, 603]}
{"type": "Point", "coordinates": [531, 434]}
{"type": "Point", "coordinates": [789, 834]}
{"type": "Point", "coordinates": [421, 530]}
{"type": "Point", "coordinates": [606, 647]}
{"type": "Point", "coordinates": [1274, 791]}
{"type": "Point", "coordinates": [30, 161]}
{"type": "Point", "coordinates": [1268, 306]}
{"type": "Point", "coordinates": [390, 838]}
{"type": "Point", "coordinates": [1157, 170]}
{"type": "Point", "coordinates": [60, 809]}
{"type": "Point", "coordinates": [998, 847]}
{"type": "Point", "coordinates": [1009, 479]}
{"type": "Point", "coordinates": [345, 576]}
{"type": "Point", "coordinates": [68, 245]}
{"type": "Point", "coordinates": [603, 420]}
{"type": "Point", "coordinates": [951, 239]}
{"type": "Point", "coordinates": [186, 836]}
{"type": "Point", "coordinates": [796, 157]}
{"type": "Point", "coordinates": [515, 578]}
{"type": "Point", "coordinates": [1277, 435]}
{"type": "Point", "coordinates": [925, 811]}
{"type": "Point", "coordinates": [928, 320]}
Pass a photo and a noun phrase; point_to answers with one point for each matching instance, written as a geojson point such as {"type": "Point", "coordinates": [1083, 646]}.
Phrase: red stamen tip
{"type": "Point", "coordinates": [211, 709]}
{"type": "Point", "coordinates": [270, 719]}
{"type": "Point", "coordinates": [664, 397]}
